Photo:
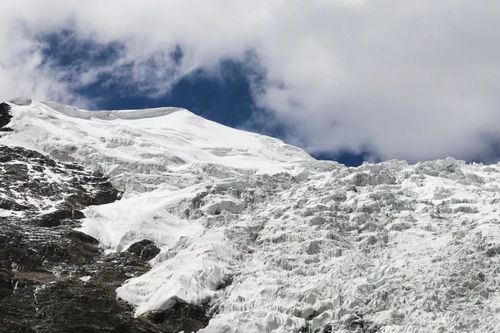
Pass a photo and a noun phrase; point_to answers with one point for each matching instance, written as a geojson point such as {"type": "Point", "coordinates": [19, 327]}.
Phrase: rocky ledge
{"type": "Point", "coordinates": [54, 278]}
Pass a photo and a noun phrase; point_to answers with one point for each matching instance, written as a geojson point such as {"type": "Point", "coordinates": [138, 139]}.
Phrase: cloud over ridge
{"type": "Point", "coordinates": [406, 79]}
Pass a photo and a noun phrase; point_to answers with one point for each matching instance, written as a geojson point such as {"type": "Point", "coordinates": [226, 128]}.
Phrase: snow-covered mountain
{"type": "Point", "coordinates": [268, 239]}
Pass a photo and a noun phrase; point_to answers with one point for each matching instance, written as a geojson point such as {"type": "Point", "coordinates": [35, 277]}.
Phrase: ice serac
{"type": "Point", "coordinates": [267, 239]}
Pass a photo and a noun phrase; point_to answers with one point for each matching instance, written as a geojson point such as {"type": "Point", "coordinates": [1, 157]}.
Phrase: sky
{"type": "Point", "coordinates": [349, 80]}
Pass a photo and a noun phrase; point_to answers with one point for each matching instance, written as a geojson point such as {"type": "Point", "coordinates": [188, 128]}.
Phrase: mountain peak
{"type": "Point", "coordinates": [141, 147]}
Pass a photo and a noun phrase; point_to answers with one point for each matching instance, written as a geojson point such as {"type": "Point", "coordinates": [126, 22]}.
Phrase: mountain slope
{"type": "Point", "coordinates": [271, 240]}
{"type": "Point", "coordinates": [146, 148]}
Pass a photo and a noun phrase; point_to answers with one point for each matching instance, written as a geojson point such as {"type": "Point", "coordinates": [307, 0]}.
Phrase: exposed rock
{"type": "Point", "coordinates": [180, 316]}
{"type": "Point", "coordinates": [68, 305]}
{"type": "Point", "coordinates": [145, 249]}
{"type": "Point", "coordinates": [355, 322]}
{"type": "Point", "coordinates": [29, 177]}
{"type": "Point", "coordinates": [492, 251]}
{"type": "Point", "coordinates": [54, 279]}
{"type": "Point", "coordinates": [5, 115]}
{"type": "Point", "coordinates": [82, 237]}
{"type": "Point", "coordinates": [56, 218]}
{"type": "Point", "coordinates": [6, 285]}
{"type": "Point", "coordinates": [115, 268]}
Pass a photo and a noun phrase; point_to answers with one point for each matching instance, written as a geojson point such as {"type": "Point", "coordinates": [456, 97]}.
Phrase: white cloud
{"type": "Point", "coordinates": [408, 79]}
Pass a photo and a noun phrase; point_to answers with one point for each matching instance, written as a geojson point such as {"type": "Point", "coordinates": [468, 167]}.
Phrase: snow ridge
{"type": "Point", "coordinates": [275, 240]}
{"type": "Point", "coordinates": [110, 115]}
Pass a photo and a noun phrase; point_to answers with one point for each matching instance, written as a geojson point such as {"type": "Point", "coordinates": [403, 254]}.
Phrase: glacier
{"type": "Point", "coordinates": [273, 240]}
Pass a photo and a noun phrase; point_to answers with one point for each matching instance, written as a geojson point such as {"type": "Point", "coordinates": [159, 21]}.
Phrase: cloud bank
{"type": "Point", "coordinates": [402, 79]}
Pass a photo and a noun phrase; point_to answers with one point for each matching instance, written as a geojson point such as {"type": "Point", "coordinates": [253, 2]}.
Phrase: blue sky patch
{"type": "Point", "coordinates": [225, 96]}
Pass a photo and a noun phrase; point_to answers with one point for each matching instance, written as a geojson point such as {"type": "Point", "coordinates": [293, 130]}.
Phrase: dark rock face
{"type": "Point", "coordinates": [58, 217]}
{"type": "Point", "coordinates": [145, 249]}
{"type": "Point", "coordinates": [5, 115]}
{"type": "Point", "coordinates": [82, 237]}
{"type": "Point", "coordinates": [54, 279]}
{"type": "Point", "coordinates": [181, 316]}
{"type": "Point", "coordinates": [112, 270]}
{"type": "Point", "coordinates": [69, 305]}
{"type": "Point", "coordinates": [28, 176]}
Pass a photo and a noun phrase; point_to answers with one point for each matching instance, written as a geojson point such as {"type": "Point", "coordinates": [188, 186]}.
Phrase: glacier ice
{"type": "Point", "coordinates": [276, 241]}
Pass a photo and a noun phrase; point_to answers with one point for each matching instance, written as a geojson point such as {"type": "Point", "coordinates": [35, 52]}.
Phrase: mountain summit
{"type": "Point", "coordinates": [199, 227]}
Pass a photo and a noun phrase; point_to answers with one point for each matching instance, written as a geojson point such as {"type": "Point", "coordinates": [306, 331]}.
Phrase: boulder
{"type": "Point", "coordinates": [145, 249]}
{"type": "Point", "coordinates": [5, 115]}
{"type": "Point", "coordinates": [180, 316]}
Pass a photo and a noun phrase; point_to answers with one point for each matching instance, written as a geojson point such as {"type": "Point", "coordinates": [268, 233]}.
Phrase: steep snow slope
{"type": "Point", "coordinates": [279, 242]}
{"type": "Point", "coordinates": [144, 148]}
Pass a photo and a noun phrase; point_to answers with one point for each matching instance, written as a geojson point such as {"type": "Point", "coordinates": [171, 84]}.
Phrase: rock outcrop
{"type": "Point", "coordinates": [5, 115]}
{"type": "Point", "coordinates": [54, 279]}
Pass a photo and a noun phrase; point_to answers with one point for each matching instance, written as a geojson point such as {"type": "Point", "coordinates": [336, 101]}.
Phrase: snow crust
{"type": "Point", "coordinates": [275, 240]}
